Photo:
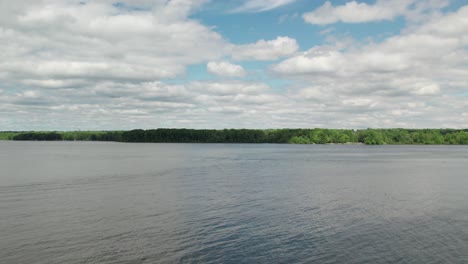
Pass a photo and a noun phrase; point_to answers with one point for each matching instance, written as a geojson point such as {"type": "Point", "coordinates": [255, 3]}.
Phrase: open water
{"type": "Point", "coordinates": [90, 202]}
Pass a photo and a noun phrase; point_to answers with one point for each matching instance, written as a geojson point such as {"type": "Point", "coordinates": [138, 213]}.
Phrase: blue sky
{"type": "Point", "coordinates": [106, 64]}
{"type": "Point", "coordinates": [243, 28]}
{"type": "Point", "coordinates": [247, 27]}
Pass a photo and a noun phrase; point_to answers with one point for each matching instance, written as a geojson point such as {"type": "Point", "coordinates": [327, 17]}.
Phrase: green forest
{"type": "Point", "coordinates": [292, 136]}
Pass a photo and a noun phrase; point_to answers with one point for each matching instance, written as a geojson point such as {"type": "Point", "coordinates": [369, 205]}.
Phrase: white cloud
{"type": "Point", "coordinates": [29, 94]}
{"type": "Point", "coordinates": [427, 89]}
{"type": "Point", "coordinates": [223, 68]}
{"type": "Point", "coordinates": [314, 60]}
{"type": "Point", "coordinates": [98, 66]}
{"type": "Point", "coordinates": [415, 79]}
{"type": "Point", "coordinates": [229, 87]}
{"type": "Point", "coordinates": [151, 104]}
{"type": "Point", "coordinates": [55, 83]}
{"type": "Point", "coordinates": [287, 17]}
{"type": "Point", "coordinates": [221, 104]}
{"type": "Point", "coordinates": [63, 39]}
{"type": "Point", "coordinates": [359, 12]}
{"type": "Point", "coordinates": [266, 50]}
{"type": "Point", "coordinates": [261, 5]}
{"type": "Point", "coordinates": [359, 102]}
{"type": "Point", "coordinates": [432, 52]}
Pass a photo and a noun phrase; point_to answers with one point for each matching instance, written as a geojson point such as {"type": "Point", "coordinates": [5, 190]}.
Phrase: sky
{"type": "Point", "coordinates": [111, 65]}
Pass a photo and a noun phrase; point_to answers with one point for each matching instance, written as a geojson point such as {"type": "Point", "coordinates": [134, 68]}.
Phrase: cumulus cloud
{"type": "Point", "coordinates": [266, 49]}
{"type": "Point", "coordinates": [355, 12]}
{"type": "Point", "coordinates": [405, 80]}
{"type": "Point", "coordinates": [101, 40]}
{"type": "Point", "coordinates": [420, 61]}
{"type": "Point", "coordinates": [360, 12]}
{"type": "Point", "coordinates": [54, 83]}
{"type": "Point", "coordinates": [229, 87]}
{"type": "Point", "coordinates": [150, 104]}
{"type": "Point", "coordinates": [96, 65]}
{"type": "Point", "coordinates": [223, 68]}
{"type": "Point", "coordinates": [261, 5]}
{"type": "Point", "coordinates": [313, 61]}
{"type": "Point", "coordinates": [222, 104]}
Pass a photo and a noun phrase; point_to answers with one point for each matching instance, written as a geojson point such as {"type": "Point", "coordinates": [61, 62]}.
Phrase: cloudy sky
{"type": "Point", "coordinates": [69, 65]}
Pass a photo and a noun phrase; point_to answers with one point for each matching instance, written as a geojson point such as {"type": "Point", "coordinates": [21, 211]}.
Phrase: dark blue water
{"type": "Point", "coordinates": [83, 202]}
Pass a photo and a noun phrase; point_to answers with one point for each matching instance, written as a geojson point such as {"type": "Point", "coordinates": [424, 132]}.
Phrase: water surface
{"type": "Point", "coordinates": [89, 202]}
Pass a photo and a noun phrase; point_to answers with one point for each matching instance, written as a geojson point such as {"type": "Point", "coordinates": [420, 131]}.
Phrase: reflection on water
{"type": "Point", "coordinates": [87, 202]}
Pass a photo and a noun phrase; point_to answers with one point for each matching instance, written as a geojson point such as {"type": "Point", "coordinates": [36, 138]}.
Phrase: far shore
{"type": "Point", "coordinates": [392, 136]}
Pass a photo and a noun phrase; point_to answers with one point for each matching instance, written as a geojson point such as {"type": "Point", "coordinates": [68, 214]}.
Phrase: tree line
{"type": "Point", "coordinates": [293, 136]}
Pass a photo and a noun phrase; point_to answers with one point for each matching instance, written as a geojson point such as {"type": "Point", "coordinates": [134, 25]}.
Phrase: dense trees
{"type": "Point", "coordinates": [195, 136]}
{"type": "Point", "coordinates": [7, 135]}
{"type": "Point", "coordinates": [295, 136]}
{"type": "Point", "coordinates": [41, 136]}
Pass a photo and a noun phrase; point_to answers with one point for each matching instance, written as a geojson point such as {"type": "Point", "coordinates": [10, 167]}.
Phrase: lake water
{"type": "Point", "coordinates": [89, 202]}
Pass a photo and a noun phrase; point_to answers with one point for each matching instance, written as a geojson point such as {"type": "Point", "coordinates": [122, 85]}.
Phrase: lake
{"type": "Point", "coordinates": [96, 202]}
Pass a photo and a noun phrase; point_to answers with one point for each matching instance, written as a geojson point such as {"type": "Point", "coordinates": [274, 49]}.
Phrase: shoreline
{"type": "Point", "coordinates": [395, 136]}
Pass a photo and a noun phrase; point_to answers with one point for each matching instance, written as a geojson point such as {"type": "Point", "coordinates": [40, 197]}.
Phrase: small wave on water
{"type": "Point", "coordinates": [197, 203]}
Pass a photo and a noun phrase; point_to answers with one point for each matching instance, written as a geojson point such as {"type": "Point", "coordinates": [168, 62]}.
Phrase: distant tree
{"type": "Point", "coordinates": [374, 138]}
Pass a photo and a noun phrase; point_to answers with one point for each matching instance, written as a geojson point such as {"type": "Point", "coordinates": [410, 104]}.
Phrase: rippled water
{"type": "Point", "coordinates": [88, 202]}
